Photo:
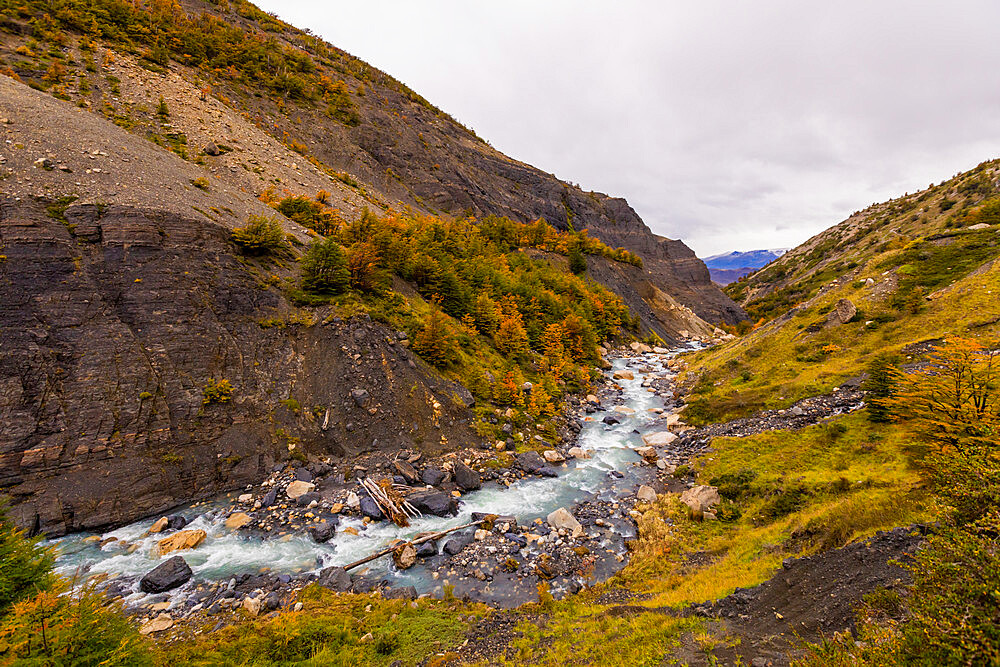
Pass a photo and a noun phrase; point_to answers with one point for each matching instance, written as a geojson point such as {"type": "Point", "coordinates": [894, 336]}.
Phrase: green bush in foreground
{"type": "Point", "coordinates": [80, 628]}
{"type": "Point", "coordinates": [42, 624]}
{"type": "Point", "coordinates": [25, 567]}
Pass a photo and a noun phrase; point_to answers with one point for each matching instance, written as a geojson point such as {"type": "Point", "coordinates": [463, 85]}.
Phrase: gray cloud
{"type": "Point", "coordinates": [731, 124]}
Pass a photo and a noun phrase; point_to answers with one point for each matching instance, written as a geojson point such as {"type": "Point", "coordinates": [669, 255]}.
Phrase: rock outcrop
{"type": "Point", "coordinates": [112, 323]}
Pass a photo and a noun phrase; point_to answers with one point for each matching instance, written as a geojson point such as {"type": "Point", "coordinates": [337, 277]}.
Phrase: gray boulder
{"type": "Point", "coordinates": [433, 476]}
{"type": "Point", "coordinates": [530, 461]}
{"type": "Point", "coordinates": [437, 503]}
{"type": "Point", "coordinates": [466, 478]}
{"type": "Point", "coordinates": [335, 578]}
{"type": "Point", "coordinates": [370, 508]}
{"type": "Point", "coordinates": [167, 575]}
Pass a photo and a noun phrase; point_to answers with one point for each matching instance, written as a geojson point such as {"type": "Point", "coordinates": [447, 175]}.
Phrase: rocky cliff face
{"type": "Point", "coordinates": [112, 324]}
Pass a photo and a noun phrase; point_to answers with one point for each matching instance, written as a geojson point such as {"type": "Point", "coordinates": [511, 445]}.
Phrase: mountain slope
{"type": "Point", "coordinates": [913, 269]}
{"type": "Point", "coordinates": [230, 74]}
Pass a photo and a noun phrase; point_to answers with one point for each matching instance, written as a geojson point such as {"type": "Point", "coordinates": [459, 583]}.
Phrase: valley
{"type": "Point", "coordinates": [266, 312]}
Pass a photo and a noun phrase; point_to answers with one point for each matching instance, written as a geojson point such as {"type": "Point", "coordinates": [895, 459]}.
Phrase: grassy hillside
{"type": "Point", "coordinates": [916, 269]}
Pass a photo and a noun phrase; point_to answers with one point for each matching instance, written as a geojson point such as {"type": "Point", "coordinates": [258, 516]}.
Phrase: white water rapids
{"type": "Point", "coordinates": [226, 553]}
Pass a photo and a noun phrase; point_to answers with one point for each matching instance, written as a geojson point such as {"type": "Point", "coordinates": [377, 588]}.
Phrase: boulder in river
{"type": "Point", "coordinates": [181, 540]}
{"type": "Point", "coordinates": [579, 453]}
{"type": "Point", "coordinates": [623, 375]}
{"type": "Point", "coordinates": [168, 575]}
{"type": "Point", "coordinates": [370, 508]}
{"type": "Point", "coordinates": [159, 525]}
{"type": "Point", "coordinates": [646, 494]}
{"type": "Point", "coordinates": [454, 546]}
{"type": "Point", "coordinates": [437, 503]}
{"type": "Point", "coordinates": [427, 549]}
{"type": "Point", "coordinates": [466, 478]}
{"type": "Point", "coordinates": [404, 556]}
{"type": "Point", "coordinates": [176, 522]}
{"type": "Point", "coordinates": [552, 456]}
{"type": "Point", "coordinates": [530, 461]}
{"type": "Point", "coordinates": [323, 532]}
{"type": "Point", "coordinates": [562, 519]}
{"type": "Point", "coordinates": [237, 520]}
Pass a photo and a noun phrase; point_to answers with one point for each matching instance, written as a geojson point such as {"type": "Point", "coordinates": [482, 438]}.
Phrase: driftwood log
{"type": "Point", "coordinates": [426, 538]}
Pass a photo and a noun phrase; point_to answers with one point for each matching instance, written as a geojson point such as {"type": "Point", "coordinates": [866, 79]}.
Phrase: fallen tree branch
{"type": "Point", "coordinates": [426, 538]}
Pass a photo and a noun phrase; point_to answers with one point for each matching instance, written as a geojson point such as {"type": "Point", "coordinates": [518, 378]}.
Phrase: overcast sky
{"type": "Point", "coordinates": [728, 124]}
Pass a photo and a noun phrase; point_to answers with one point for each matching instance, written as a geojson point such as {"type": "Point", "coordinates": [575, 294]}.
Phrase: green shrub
{"type": "Point", "coordinates": [79, 628]}
{"type": "Point", "coordinates": [25, 567]}
{"type": "Point", "coordinates": [324, 268]}
{"type": "Point", "coordinates": [577, 262]}
{"type": "Point", "coordinates": [260, 236]}
{"type": "Point", "coordinates": [216, 391]}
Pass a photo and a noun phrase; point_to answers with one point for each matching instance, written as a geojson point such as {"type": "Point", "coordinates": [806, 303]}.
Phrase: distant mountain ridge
{"type": "Point", "coordinates": [729, 267]}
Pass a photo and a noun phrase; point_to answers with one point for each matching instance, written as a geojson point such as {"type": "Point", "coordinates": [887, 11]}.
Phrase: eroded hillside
{"type": "Point", "coordinates": [270, 109]}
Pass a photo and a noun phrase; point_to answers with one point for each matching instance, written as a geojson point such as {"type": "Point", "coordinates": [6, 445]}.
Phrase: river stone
{"type": "Point", "coordinates": [552, 456]}
{"type": "Point", "coordinates": [252, 605]}
{"type": "Point", "coordinates": [611, 420]}
{"type": "Point", "coordinates": [498, 519]}
{"type": "Point", "coordinates": [579, 453]}
{"type": "Point", "coordinates": [427, 549]}
{"type": "Point", "coordinates": [530, 461]}
{"type": "Point", "coordinates": [237, 520]}
{"type": "Point", "coordinates": [303, 475]}
{"type": "Point", "coordinates": [323, 532]}
{"type": "Point", "coordinates": [272, 601]}
{"type": "Point", "coordinates": [404, 556]}
{"type": "Point", "coordinates": [353, 501]}
{"type": "Point", "coordinates": [432, 476]}
{"type": "Point", "coordinates": [307, 499]}
{"type": "Point", "coordinates": [168, 575]}
{"type": "Point", "coordinates": [406, 471]}
{"type": "Point", "coordinates": [701, 498]}
{"type": "Point", "coordinates": [335, 578]}
{"type": "Point", "coordinates": [466, 478]}
{"type": "Point", "coordinates": [269, 498]}
{"type": "Point", "coordinates": [158, 624]}
{"type": "Point", "coordinates": [659, 438]}
{"type": "Point", "coordinates": [176, 522]}
{"type": "Point", "coordinates": [547, 471]}
{"type": "Point", "coordinates": [181, 540]}
{"type": "Point", "coordinates": [623, 375]}
{"type": "Point", "coordinates": [297, 488]}
{"type": "Point", "coordinates": [646, 494]}
{"type": "Point", "coordinates": [648, 453]}
{"type": "Point", "coordinates": [370, 508]}
{"type": "Point", "coordinates": [437, 503]}
{"type": "Point", "coordinates": [159, 525]}
{"type": "Point", "coordinates": [561, 518]}
{"type": "Point", "coordinates": [453, 546]}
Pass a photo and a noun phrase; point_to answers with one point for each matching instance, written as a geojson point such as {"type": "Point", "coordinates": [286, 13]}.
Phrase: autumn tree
{"type": "Point", "coordinates": [435, 341]}
{"type": "Point", "coordinates": [511, 338]}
